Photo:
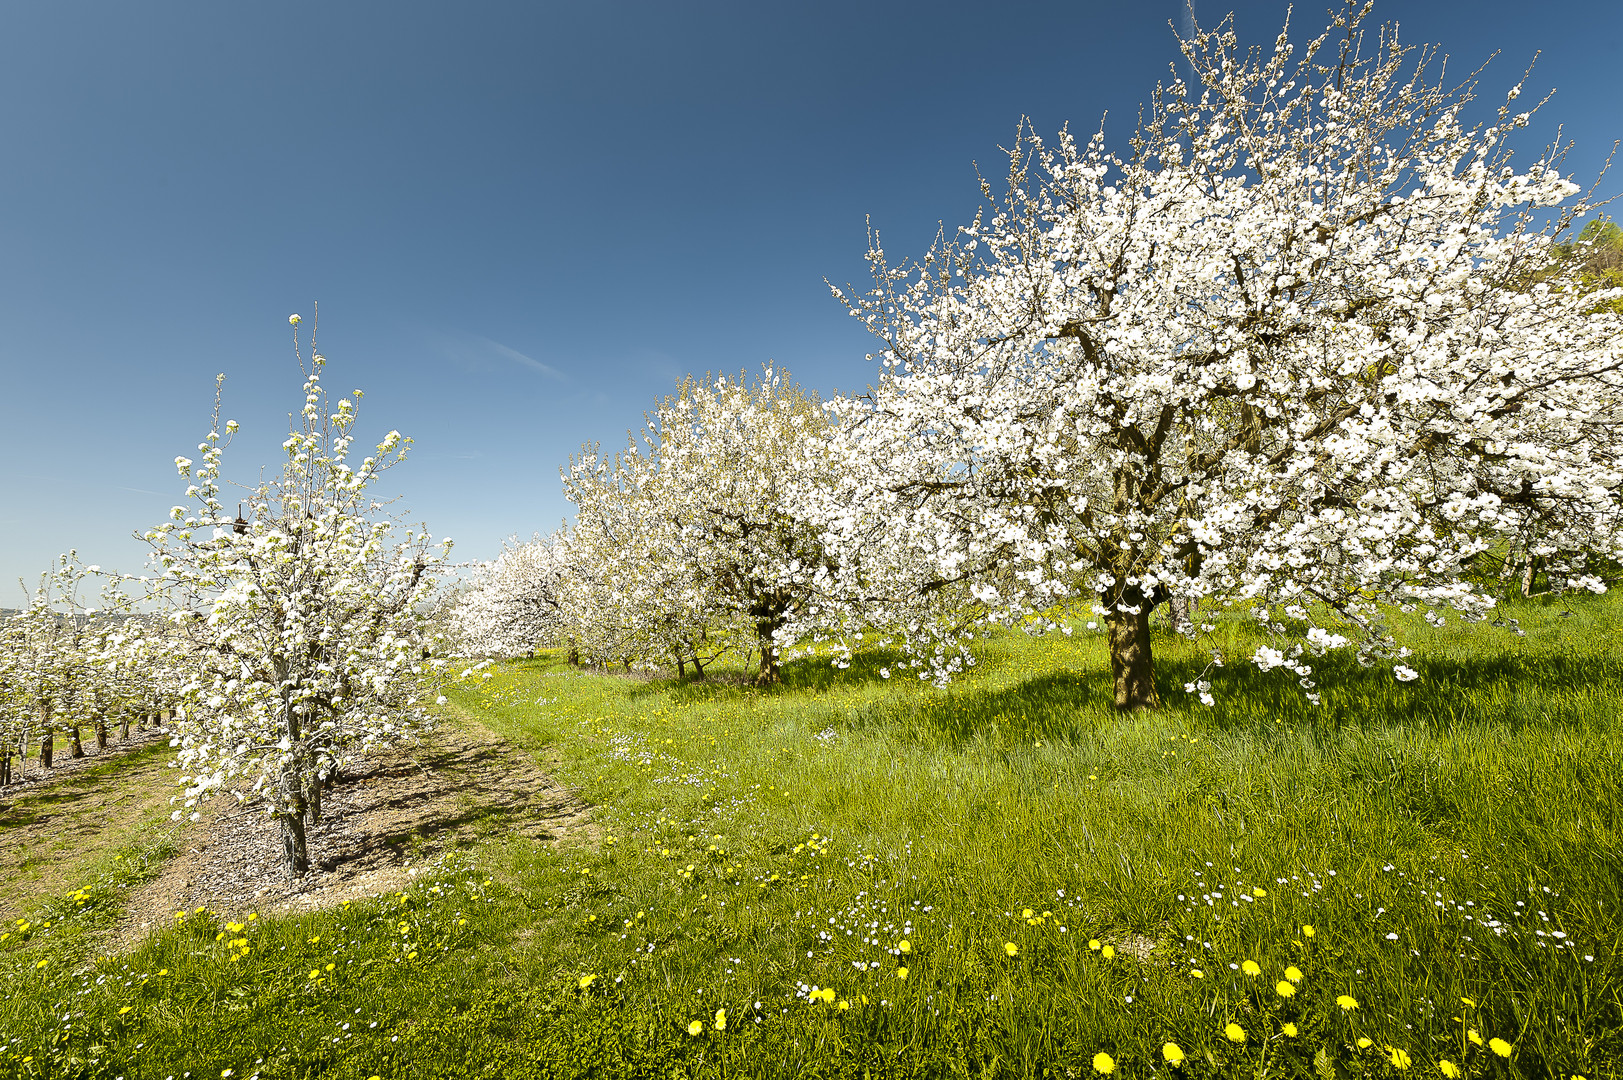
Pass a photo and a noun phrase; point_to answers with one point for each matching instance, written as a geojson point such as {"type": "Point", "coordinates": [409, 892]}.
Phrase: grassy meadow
{"type": "Point", "coordinates": [853, 876]}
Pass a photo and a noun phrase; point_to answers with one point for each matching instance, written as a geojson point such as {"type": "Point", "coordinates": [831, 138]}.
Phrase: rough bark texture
{"type": "Point", "coordinates": [78, 746]}
{"type": "Point", "coordinates": [101, 733]}
{"type": "Point", "coordinates": [1131, 662]}
{"type": "Point", "coordinates": [295, 852]}
{"type": "Point", "coordinates": [46, 746]}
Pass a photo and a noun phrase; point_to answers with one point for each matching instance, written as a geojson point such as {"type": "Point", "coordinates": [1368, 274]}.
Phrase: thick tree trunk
{"type": "Point", "coordinates": [681, 668]}
{"type": "Point", "coordinates": [574, 657]}
{"type": "Point", "coordinates": [101, 733]}
{"type": "Point", "coordinates": [78, 746]}
{"type": "Point", "coordinates": [766, 628]}
{"type": "Point", "coordinates": [1179, 615]}
{"type": "Point", "coordinates": [1131, 662]}
{"type": "Point", "coordinates": [47, 746]}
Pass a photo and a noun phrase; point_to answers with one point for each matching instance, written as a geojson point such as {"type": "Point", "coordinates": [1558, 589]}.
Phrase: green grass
{"type": "Point", "coordinates": [754, 845]}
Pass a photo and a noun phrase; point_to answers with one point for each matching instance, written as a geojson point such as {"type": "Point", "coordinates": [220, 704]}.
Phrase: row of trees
{"type": "Point", "coordinates": [284, 627]}
{"type": "Point", "coordinates": [1307, 346]}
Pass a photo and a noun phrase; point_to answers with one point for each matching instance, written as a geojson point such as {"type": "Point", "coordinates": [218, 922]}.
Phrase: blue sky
{"type": "Point", "coordinates": [525, 222]}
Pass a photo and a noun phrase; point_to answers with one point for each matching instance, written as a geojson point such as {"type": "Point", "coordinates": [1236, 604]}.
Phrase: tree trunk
{"type": "Point", "coordinates": [46, 746]}
{"type": "Point", "coordinates": [5, 768]}
{"type": "Point", "coordinates": [1527, 576]}
{"type": "Point", "coordinates": [124, 727]}
{"type": "Point", "coordinates": [1131, 662]}
{"type": "Point", "coordinates": [574, 657]}
{"type": "Point", "coordinates": [1178, 615]}
{"type": "Point", "coordinates": [78, 747]}
{"type": "Point", "coordinates": [313, 799]}
{"type": "Point", "coordinates": [681, 668]}
{"type": "Point", "coordinates": [101, 733]}
{"type": "Point", "coordinates": [767, 625]}
{"type": "Point", "coordinates": [295, 852]}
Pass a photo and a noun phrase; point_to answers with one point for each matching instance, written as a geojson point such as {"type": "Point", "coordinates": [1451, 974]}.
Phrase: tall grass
{"type": "Point", "coordinates": [1068, 883]}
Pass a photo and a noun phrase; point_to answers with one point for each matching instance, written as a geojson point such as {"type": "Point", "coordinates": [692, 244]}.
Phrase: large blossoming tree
{"type": "Point", "coordinates": [1303, 345]}
{"type": "Point", "coordinates": [304, 612]}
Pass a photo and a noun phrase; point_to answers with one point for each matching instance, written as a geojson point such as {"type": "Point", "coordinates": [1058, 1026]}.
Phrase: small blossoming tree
{"type": "Point", "coordinates": [1305, 346]}
{"type": "Point", "coordinates": [304, 613]}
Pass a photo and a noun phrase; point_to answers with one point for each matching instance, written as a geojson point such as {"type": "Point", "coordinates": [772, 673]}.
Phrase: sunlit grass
{"type": "Point", "coordinates": [852, 874]}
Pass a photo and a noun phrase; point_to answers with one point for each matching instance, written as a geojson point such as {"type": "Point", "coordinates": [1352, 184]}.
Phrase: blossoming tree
{"type": "Point", "coordinates": [304, 613]}
{"type": "Point", "coordinates": [1302, 346]}
{"type": "Point", "coordinates": [696, 534]}
{"type": "Point", "coordinates": [516, 602]}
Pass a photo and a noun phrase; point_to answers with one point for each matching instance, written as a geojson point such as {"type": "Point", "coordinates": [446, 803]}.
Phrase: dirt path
{"type": "Point", "coordinates": [56, 823]}
{"type": "Point", "coordinates": [390, 814]}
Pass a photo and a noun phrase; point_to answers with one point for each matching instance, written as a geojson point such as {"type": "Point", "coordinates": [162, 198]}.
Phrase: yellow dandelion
{"type": "Point", "coordinates": [1364, 1042]}
{"type": "Point", "coordinates": [587, 980]}
{"type": "Point", "coordinates": [1448, 1068]}
{"type": "Point", "coordinates": [1103, 1063]}
{"type": "Point", "coordinates": [1196, 973]}
{"type": "Point", "coordinates": [695, 1028]}
{"type": "Point", "coordinates": [1284, 989]}
{"type": "Point", "coordinates": [844, 1005]}
{"type": "Point", "coordinates": [1290, 1029]}
{"type": "Point", "coordinates": [1259, 893]}
{"type": "Point", "coordinates": [1307, 931]}
{"type": "Point", "coordinates": [1293, 974]}
{"type": "Point", "coordinates": [1107, 952]}
{"type": "Point", "coordinates": [721, 1019]}
{"type": "Point", "coordinates": [315, 974]}
{"type": "Point", "coordinates": [1399, 1059]}
{"type": "Point", "coordinates": [1011, 948]}
{"type": "Point", "coordinates": [1027, 913]}
{"type": "Point", "coordinates": [904, 946]}
{"type": "Point", "coordinates": [1173, 1053]}
{"type": "Point", "coordinates": [901, 973]}
{"type": "Point", "coordinates": [1235, 1033]}
{"type": "Point", "coordinates": [1250, 968]}
{"type": "Point", "coordinates": [1347, 1002]}
{"type": "Point", "coordinates": [1094, 944]}
{"type": "Point", "coordinates": [1470, 1033]}
{"type": "Point", "coordinates": [125, 1009]}
{"type": "Point", "coordinates": [1500, 1047]}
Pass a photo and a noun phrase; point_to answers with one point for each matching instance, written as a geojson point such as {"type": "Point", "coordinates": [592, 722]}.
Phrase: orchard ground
{"type": "Point", "coordinates": [850, 876]}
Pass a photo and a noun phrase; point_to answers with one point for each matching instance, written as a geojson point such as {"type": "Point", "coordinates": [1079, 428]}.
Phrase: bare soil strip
{"type": "Point", "coordinates": [393, 813]}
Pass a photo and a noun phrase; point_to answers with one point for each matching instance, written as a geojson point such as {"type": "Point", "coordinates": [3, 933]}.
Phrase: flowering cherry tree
{"type": "Point", "coordinates": [695, 535]}
{"type": "Point", "coordinates": [1301, 346]}
{"type": "Point", "coordinates": [303, 611]}
{"type": "Point", "coordinates": [516, 602]}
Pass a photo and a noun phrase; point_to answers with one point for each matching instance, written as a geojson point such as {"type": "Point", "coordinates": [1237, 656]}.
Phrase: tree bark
{"type": "Point", "coordinates": [46, 746]}
{"type": "Point", "coordinates": [1132, 664]}
{"type": "Point", "coordinates": [295, 851]}
{"type": "Point", "coordinates": [766, 628]}
{"type": "Point", "coordinates": [78, 746]}
{"type": "Point", "coordinates": [313, 799]}
{"type": "Point", "coordinates": [124, 727]}
{"type": "Point", "coordinates": [101, 733]}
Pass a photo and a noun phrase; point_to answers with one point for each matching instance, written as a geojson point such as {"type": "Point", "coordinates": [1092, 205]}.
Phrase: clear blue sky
{"type": "Point", "coordinates": [524, 222]}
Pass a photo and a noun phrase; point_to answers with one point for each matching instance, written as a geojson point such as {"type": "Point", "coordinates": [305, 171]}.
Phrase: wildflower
{"type": "Point", "coordinates": [1094, 944]}
{"type": "Point", "coordinates": [1011, 948]}
{"type": "Point", "coordinates": [1364, 1042]}
{"type": "Point", "coordinates": [901, 973]}
{"type": "Point", "coordinates": [1347, 1002]}
{"type": "Point", "coordinates": [695, 1027]}
{"type": "Point", "coordinates": [1234, 1032]}
{"type": "Point", "coordinates": [1107, 952]}
{"type": "Point", "coordinates": [1197, 974]}
{"type": "Point", "coordinates": [1398, 1058]}
{"type": "Point", "coordinates": [844, 1005]}
{"type": "Point", "coordinates": [1173, 1053]}
{"type": "Point", "coordinates": [1290, 1029]}
{"type": "Point", "coordinates": [1250, 968]}
{"type": "Point", "coordinates": [1284, 989]}
{"type": "Point", "coordinates": [1293, 974]}
{"type": "Point", "coordinates": [904, 946]}
{"type": "Point", "coordinates": [1500, 1047]}
{"type": "Point", "coordinates": [1470, 1033]}
{"type": "Point", "coordinates": [1259, 893]}
{"type": "Point", "coordinates": [1468, 1003]}
{"type": "Point", "coordinates": [587, 980]}
{"type": "Point", "coordinates": [1103, 1063]}
{"type": "Point", "coordinates": [721, 1019]}
{"type": "Point", "coordinates": [125, 1009]}
{"type": "Point", "coordinates": [1307, 931]}
{"type": "Point", "coordinates": [1448, 1068]}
